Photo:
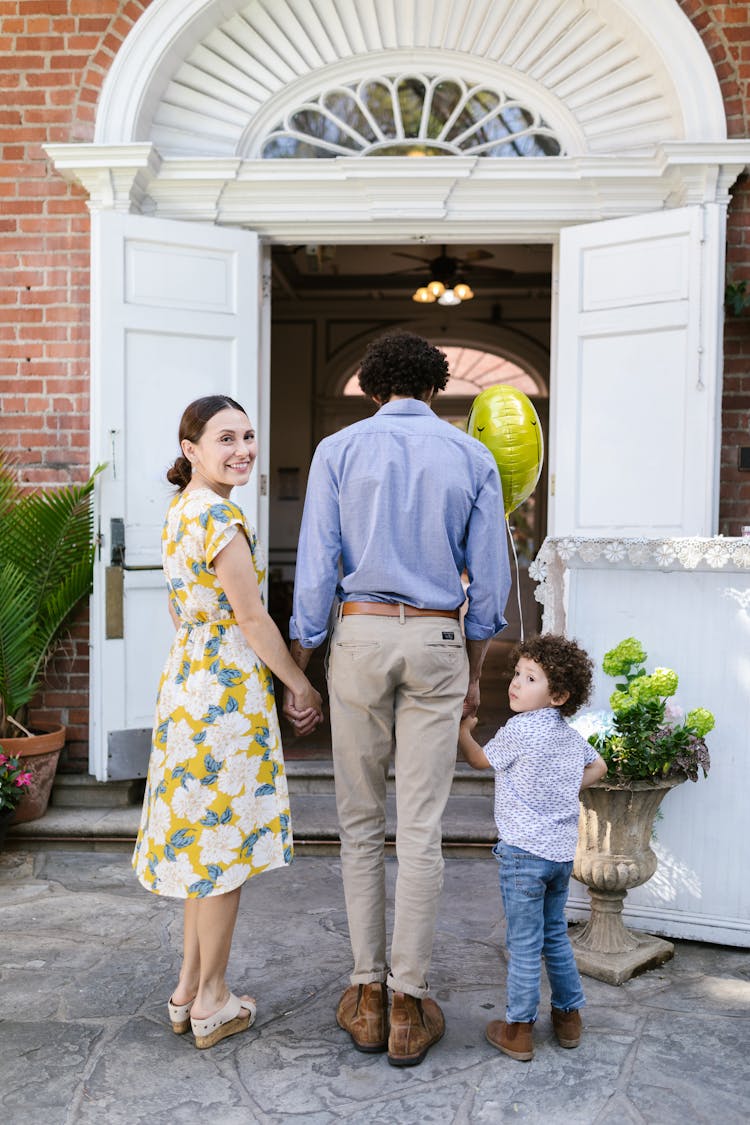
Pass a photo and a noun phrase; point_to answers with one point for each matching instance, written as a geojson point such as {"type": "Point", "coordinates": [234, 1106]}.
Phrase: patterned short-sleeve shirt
{"type": "Point", "coordinates": [539, 761]}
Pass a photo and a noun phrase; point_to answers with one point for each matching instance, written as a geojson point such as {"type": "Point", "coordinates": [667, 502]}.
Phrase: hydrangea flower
{"type": "Point", "coordinates": [619, 660]}
{"type": "Point", "coordinates": [597, 723]}
{"type": "Point", "coordinates": [665, 681]}
{"type": "Point", "coordinates": [701, 720]}
{"type": "Point", "coordinates": [621, 701]}
{"type": "Point", "coordinates": [644, 737]}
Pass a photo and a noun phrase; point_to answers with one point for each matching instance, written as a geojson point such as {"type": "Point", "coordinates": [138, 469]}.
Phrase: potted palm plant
{"type": "Point", "coordinates": [46, 564]}
{"type": "Point", "coordinates": [649, 747]}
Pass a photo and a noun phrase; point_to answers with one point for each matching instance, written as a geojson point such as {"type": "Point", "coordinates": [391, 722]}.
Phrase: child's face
{"type": "Point", "coordinates": [529, 689]}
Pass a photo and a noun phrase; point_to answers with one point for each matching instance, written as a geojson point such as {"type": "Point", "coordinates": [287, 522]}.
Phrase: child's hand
{"type": "Point", "coordinates": [468, 724]}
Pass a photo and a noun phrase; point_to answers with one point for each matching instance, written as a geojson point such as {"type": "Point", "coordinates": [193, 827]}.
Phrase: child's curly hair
{"type": "Point", "coordinates": [566, 665]}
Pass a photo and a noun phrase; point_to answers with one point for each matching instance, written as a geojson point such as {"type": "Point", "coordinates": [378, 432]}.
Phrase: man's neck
{"type": "Point", "coordinates": [426, 398]}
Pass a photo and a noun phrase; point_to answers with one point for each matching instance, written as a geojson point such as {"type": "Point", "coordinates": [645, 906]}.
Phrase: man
{"type": "Point", "coordinates": [403, 503]}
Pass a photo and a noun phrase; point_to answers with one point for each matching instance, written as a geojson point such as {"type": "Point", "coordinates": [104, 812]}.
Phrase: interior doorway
{"type": "Point", "coordinates": [328, 302]}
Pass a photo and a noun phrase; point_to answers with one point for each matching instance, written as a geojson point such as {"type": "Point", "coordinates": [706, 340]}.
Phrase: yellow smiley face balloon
{"type": "Point", "coordinates": [504, 419]}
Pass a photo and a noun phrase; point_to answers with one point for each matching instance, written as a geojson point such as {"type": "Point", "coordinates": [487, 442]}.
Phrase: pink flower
{"type": "Point", "coordinates": [3, 759]}
{"type": "Point", "coordinates": [23, 779]}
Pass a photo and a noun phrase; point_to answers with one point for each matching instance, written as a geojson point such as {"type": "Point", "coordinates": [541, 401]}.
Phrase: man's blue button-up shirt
{"type": "Point", "coordinates": [397, 507]}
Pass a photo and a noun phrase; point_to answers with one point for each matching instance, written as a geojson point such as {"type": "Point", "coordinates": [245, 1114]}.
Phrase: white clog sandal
{"type": "Point", "coordinates": [179, 1016]}
{"type": "Point", "coordinates": [236, 1015]}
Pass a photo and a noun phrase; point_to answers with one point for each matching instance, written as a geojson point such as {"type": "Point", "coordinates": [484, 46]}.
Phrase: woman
{"type": "Point", "coordinates": [216, 809]}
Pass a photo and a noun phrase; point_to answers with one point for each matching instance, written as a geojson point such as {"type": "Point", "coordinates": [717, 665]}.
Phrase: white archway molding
{"type": "Point", "coordinates": [498, 339]}
{"type": "Point", "coordinates": [192, 74]}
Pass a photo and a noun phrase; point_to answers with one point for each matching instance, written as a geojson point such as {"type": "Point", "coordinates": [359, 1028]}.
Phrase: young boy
{"type": "Point", "coordinates": [540, 766]}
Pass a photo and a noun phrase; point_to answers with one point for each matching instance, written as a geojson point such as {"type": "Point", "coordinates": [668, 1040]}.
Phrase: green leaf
{"type": "Point", "coordinates": [47, 552]}
{"type": "Point", "coordinates": [17, 650]}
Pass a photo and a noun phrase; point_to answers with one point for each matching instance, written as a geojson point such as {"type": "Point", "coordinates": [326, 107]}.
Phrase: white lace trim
{"type": "Point", "coordinates": [555, 555]}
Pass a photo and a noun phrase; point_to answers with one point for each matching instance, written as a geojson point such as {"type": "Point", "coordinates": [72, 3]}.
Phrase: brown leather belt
{"type": "Point", "coordinates": [389, 609]}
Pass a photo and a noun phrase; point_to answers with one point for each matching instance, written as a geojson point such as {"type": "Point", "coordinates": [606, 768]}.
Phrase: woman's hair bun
{"type": "Point", "coordinates": [180, 473]}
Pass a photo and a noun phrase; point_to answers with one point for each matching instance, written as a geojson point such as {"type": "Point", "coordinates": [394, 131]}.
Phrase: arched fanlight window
{"type": "Point", "coordinates": [471, 371]}
{"type": "Point", "coordinates": [411, 115]}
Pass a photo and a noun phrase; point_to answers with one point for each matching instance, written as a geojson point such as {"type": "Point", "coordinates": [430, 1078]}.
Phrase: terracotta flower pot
{"type": "Point", "coordinates": [40, 754]}
{"type": "Point", "coordinates": [614, 855]}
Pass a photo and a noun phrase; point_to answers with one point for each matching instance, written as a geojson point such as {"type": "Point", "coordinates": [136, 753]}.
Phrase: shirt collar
{"type": "Point", "coordinates": [405, 406]}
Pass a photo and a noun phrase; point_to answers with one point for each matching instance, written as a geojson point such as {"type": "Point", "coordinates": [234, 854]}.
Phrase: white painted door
{"type": "Point", "coordinates": [176, 314]}
{"type": "Point", "coordinates": [636, 383]}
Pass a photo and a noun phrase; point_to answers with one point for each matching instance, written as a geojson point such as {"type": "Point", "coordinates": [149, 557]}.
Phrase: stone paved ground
{"type": "Point", "coordinates": [88, 958]}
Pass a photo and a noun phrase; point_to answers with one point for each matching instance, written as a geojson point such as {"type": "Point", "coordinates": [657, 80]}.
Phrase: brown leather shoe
{"type": "Point", "coordinates": [363, 1012]}
{"type": "Point", "coordinates": [514, 1039]}
{"type": "Point", "coordinates": [415, 1026]}
{"type": "Point", "coordinates": [567, 1027]}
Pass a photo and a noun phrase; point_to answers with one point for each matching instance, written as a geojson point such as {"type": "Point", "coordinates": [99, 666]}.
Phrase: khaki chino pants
{"type": "Point", "coordinates": [403, 681]}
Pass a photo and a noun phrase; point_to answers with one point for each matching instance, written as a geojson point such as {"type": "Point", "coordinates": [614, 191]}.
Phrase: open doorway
{"type": "Point", "coordinates": [328, 302]}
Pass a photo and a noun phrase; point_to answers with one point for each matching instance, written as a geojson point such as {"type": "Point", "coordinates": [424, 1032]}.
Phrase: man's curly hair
{"type": "Point", "coordinates": [566, 666]}
{"type": "Point", "coordinates": [402, 364]}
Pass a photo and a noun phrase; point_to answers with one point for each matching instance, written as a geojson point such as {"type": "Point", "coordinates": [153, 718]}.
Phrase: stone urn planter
{"type": "Point", "coordinates": [39, 754]}
{"type": "Point", "coordinates": [613, 855]}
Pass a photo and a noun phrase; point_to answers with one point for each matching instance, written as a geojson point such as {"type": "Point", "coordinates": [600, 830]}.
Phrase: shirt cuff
{"type": "Point", "coordinates": [311, 641]}
{"type": "Point", "coordinates": [476, 632]}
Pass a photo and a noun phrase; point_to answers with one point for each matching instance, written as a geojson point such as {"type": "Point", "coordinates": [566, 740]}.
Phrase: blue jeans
{"type": "Point", "coordinates": [534, 892]}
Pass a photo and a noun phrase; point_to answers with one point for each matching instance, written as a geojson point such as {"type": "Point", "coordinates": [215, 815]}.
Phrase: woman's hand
{"type": "Point", "coordinates": [234, 569]}
{"type": "Point", "coordinates": [303, 708]}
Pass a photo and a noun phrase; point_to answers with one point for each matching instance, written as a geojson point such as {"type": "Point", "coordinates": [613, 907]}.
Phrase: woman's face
{"type": "Point", "coordinates": [224, 454]}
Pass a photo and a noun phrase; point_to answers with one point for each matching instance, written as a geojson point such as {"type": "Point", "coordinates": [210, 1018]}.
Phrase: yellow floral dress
{"type": "Point", "coordinates": [216, 809]}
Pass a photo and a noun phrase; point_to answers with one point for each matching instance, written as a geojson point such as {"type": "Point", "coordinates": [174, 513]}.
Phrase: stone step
{"type": "Point", "coordinates": [79, 791]}
{"type": "Point", "coordinates": [316, 776]}
{"type": "Point", "coordinates": [87, 813]}
{"type": "Point", "coordinates": [467, 825]}
{"type": "Point", "coordinates": [76, 791]}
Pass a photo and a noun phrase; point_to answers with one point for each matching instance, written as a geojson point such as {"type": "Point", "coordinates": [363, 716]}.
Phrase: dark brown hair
{"type": "Point", "coordinates": [403, 364]}
{"type": "Point", "coordinates": [192, 424]}
{"type": "Point", "coordinates": [565, 664]}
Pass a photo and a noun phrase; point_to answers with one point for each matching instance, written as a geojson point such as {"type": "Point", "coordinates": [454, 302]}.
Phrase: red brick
{"type": "Point", "coordinates": [96, 24]}
{"type": "Point", "coordinates": [50, 78]}
{"type": "Point", "coordinates": [22, 62]}
{"type": "Point", "coordinates": [38, 43]}
{"type": "Point", "coordinates": [45, 7]}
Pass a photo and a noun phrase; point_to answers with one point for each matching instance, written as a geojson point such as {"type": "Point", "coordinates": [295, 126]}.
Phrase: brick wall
{"type": "Point", "coordinates": [725, 31]}
{"type": "Point", "coordinates": [54, 55]}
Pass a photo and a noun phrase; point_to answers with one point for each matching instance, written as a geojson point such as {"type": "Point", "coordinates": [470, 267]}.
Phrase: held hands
{"type": "Point", "coordinates": [303, 708]}
{"type": "Point", "coordinates": [471, 751]}
{"type": "Point", "coordinates": [471, 702]}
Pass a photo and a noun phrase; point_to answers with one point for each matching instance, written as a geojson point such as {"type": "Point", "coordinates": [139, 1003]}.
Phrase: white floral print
{"type": "Point", "coordinates": [216, 809]}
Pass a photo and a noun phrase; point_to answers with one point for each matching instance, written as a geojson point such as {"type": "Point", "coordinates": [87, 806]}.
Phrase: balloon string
{"type": "Point", "coordinates": [518, 577]}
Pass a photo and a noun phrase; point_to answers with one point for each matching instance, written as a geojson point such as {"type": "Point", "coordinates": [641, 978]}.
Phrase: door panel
{"type": "Point", "coordinates": [636, 379]}
{"type": "Point", "coordinates": [176, 316]}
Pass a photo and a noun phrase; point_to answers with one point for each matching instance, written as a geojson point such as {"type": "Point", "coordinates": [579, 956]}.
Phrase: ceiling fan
{"type": "Point", "coordinates": [447, 275]}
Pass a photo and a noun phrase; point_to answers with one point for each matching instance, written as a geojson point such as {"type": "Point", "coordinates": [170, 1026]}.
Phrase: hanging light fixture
{"type": "Point", "coordinates": [449, 298]}
{"type": "Point", "coordinates": [463, 290]}
{"type": "Point", "coordinates": [444, 285]}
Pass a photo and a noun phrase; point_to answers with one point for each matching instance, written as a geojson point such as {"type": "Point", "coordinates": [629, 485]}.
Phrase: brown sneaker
{"type": "Point", "coordinates": [363, 1012]}
{"type": "Point", "coordinates": [415, 1026]}
{"type": "Point", "coordinates": [514, 1039]}
{"type": "Point", "coordinates": [567, 1027]}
